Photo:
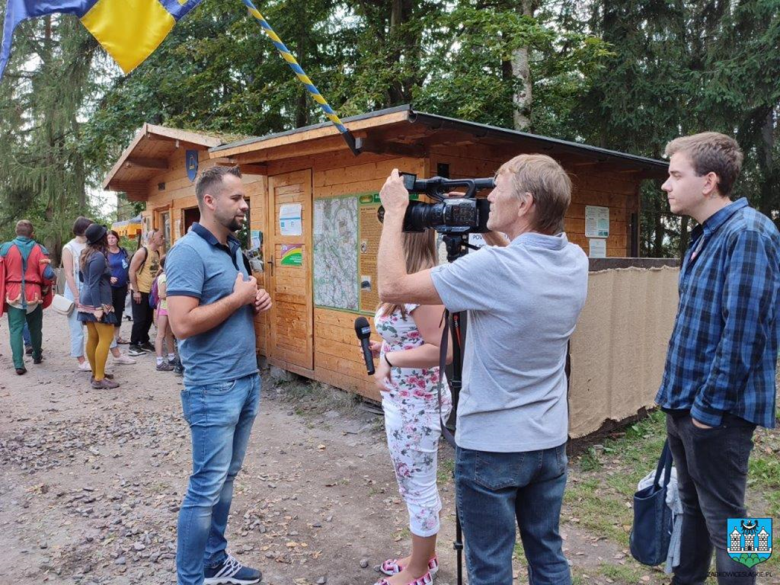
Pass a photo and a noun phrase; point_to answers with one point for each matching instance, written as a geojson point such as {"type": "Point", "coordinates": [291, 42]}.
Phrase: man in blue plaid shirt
{"type": "Point", "coordinates": [719, 379]}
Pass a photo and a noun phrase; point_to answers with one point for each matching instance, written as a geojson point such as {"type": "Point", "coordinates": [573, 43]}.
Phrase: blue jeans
{"type": "Point", "coordinates": [220, 417]}
{"type": "Point", "coordinates": [495, 490]}
{"type": "Point", "coordinates": [26, 335]}
{"type": "Point", "coordinates": [76, 328]}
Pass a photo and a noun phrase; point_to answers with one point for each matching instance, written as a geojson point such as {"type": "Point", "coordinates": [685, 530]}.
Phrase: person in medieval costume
{"type": "Point", "coordinates": [26, 278]}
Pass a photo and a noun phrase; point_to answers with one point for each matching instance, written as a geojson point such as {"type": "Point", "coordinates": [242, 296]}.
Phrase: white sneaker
{"type": "Point", "coordinates": [124, 360]}
{"type": "Point", "coordinates": [85, 367]}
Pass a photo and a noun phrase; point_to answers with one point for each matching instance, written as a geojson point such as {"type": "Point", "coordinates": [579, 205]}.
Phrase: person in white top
{"type": "Point", "coordinates": [71, 253]}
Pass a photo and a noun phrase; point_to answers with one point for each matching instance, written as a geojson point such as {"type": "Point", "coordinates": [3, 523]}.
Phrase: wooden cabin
{"type": "Point", "coordinates": [313, 213]}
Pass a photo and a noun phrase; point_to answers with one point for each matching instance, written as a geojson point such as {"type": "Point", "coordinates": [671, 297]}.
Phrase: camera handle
{"type": "Point", "coordinates": [457, 246]}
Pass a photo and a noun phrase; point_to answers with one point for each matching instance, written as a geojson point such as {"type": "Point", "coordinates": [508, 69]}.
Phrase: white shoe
{"type": "Point", "coordinates": [85, 367]}
{"type": "Point", "coordinates": [124, 360]}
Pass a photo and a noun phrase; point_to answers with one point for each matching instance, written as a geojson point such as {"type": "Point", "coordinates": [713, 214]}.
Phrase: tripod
{"type": "Point", "coordinates": [457, 246]}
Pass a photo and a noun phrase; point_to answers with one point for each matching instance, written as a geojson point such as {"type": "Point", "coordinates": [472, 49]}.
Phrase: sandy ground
{"type": "Point", "coordinates": [91, 482]}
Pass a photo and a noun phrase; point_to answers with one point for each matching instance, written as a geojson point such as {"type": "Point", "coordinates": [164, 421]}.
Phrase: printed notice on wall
{"type": "Point", "coordinates": [598, 248]}
{"type": "Point", "coordinates": [290, 219]}
{"type": "Point", "coordinates": [370, 232]}
{"type": "Point", "coordinates": [256, 239]}
{"type": "Point", "coordinates": [596, 222]}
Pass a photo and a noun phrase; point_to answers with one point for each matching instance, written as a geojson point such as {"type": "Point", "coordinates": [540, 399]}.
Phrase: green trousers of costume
{"type": "Point", "coordinates": [16, 319]}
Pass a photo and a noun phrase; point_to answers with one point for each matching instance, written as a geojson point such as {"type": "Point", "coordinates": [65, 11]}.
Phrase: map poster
{"type": "Point", "coordinates": [336, 243]}
{"type": "Point", "coordinates": [370, 232]}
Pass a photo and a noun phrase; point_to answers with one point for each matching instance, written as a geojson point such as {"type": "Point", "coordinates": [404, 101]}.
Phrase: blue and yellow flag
{"type": "Point", "coordinates": [129, 30]}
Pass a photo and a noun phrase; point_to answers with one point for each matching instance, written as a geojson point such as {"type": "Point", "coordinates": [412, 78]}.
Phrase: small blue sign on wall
{"type": "Point", "coordinates": [192, 164]}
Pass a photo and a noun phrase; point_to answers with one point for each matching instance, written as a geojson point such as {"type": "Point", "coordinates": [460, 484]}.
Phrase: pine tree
{"type": "Point", "coordinates": [43, 97]}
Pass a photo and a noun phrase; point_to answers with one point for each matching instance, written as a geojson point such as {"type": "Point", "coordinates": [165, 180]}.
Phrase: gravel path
{"type": "Point", "coordinates": [91, 482]}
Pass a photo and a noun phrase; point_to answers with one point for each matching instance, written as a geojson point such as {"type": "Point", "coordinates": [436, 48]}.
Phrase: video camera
{"type": "Point", "coordinates": [450, 215]}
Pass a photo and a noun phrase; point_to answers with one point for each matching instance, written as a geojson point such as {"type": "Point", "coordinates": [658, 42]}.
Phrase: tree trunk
{"type": "Point", "coordinates": [658, 241]}
{"type": "Point", "coordinates": [521, 71]}
{"type": "Point", "coordinates": [399, 14]}
{"type": "Point", "coordinates": [770, 173]}
{"type": "Point", "coordinates": [683, 236]}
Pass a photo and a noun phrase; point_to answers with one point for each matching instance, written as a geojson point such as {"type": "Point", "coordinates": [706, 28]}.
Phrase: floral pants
{"type": "Point", "coordinates": [413, 432]}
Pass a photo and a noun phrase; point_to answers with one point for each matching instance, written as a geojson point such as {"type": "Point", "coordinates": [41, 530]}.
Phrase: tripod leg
{"type": "Point", "coordinates": [458, 544]}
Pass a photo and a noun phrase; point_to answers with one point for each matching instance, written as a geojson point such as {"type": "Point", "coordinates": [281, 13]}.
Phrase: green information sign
{"type": "Point", "coordinates": [292, 255]}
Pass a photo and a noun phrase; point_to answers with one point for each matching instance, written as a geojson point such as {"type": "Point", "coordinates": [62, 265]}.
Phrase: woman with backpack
{"type": "Point", "coordinates": [96, 309]}
{"type": "Point", "coordinates": [143, 269]}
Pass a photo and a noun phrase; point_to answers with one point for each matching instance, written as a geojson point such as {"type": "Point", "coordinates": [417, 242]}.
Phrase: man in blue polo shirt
{"type": "Point", "coordinates": [212, 300]}
{"type": "Point", "coordinates": [719, 380]}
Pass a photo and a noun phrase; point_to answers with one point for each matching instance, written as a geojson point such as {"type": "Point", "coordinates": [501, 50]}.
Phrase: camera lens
{"type": "Point", "coordinates": [421, 216]}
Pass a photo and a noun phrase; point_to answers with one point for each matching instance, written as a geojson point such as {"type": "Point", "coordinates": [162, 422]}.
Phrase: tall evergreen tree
{"type": "Point", "coordinates": [44, 97]}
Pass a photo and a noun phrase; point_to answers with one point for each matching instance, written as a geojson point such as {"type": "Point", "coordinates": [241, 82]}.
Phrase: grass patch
{"type": "Point", "coordinates": [445, 471]}
{"type": "Point", "coordinates": [519, 553]}
{"type": "Point", "coordinates": [624, 573]}
{"type": "Point", "coordinates": [603, 480]}
{"type": "Point", "coordinates": [593, 508]}
{"type": "Point", "coordinates": [764, 470]}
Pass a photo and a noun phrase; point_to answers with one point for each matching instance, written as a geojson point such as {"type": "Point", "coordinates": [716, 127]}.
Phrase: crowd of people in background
{"type": "Point", "coordinates": [98, 279]}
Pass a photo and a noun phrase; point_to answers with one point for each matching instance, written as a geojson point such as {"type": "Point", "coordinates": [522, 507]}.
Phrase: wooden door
{"type": "Point", "coordinates": [291, 319]}
{"type": "Point", "coordinates": [191, 215]}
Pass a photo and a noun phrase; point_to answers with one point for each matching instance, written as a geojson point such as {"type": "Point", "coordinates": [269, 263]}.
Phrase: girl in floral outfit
{"type": "Point", "coordinates": [407, 377]}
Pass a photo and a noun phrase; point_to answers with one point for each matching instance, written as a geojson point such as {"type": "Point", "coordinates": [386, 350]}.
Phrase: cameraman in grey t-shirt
{"type": "Point", "coordinates": [523, 296]}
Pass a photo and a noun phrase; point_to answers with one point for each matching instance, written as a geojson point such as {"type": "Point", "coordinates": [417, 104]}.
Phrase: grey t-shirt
{"type": "Point", "coordinates": [523, 302]}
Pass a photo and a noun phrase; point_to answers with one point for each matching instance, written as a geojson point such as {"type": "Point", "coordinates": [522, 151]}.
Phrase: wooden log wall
{"type": "Point", "coordinates": [179, 194]}
{"type": "Point", "coordinates": [593, 184]}
{"type": "Point", "coordinates": [337, 360]}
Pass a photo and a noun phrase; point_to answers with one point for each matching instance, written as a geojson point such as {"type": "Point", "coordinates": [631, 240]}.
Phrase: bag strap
{"type": "Point", "coordinates": [146, 257]}
{"type": "Point", "coordinates": [445, 338]}
{"type": "Point", "coordinates": [664, 465]}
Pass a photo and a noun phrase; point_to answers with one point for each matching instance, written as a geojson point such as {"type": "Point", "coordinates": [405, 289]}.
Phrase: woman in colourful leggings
{"type": "Point", "coordinates": [96, 309]}
{"type": "Point", "coordinates": [407, 376]}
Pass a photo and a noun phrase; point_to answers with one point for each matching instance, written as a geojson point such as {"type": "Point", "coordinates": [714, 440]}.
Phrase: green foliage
{"type": "Point", "coordinates": [43, 99]}
{"type": "Point", "coordinates": [628, 75]}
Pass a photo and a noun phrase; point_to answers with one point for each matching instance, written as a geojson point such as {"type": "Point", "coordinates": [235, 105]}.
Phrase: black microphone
{"type": "Point", "coordinates": [363, 332]}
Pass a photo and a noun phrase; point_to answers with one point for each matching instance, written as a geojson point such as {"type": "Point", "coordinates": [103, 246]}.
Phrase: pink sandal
{"type": "Point", "coordinates": [426, 579]}
{"type": "Point", "coordinates": [391, 567]}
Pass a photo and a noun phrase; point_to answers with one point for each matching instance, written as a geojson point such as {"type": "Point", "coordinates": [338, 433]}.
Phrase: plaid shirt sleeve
{"type": "Point", "coordinates": [749, 298]}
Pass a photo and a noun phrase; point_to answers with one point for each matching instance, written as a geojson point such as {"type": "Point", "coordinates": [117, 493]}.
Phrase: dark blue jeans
{"type": "Point", "coordinates": [220, 418]}
{"type": "Point", "coordinates": [495, 490]}
{"type": "Point", "coordinates": [712, 467]}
